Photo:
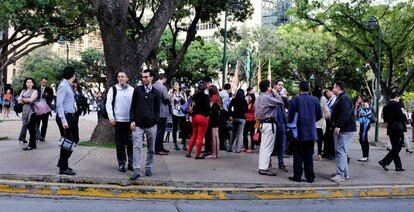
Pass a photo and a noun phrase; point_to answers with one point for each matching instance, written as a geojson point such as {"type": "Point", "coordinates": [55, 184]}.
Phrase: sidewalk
{"type": "Point", "coordinates": [175, 176]}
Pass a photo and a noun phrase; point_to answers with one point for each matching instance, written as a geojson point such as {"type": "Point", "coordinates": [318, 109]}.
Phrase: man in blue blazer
{"type": "Point", "coordinates": [309, 111]}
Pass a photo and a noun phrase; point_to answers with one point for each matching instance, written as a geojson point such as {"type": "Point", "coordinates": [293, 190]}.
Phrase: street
{"type": "Point", "coordinates": [33, 204]}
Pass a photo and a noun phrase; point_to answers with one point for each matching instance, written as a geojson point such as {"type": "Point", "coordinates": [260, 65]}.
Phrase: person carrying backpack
{"type": "Point", "coordinates": [118, 107]}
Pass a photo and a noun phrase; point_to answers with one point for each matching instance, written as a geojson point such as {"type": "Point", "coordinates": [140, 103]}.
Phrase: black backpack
{"type": "Point", "coordinates": [102, 106]}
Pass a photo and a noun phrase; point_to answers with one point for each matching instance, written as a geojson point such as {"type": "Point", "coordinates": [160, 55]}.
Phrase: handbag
{"type": "Point", "coordinates": [67, 144]}
{"type": "Point", "coordinates": [41, 107]}
{"type": "Point", "coordinates": [257, 136]}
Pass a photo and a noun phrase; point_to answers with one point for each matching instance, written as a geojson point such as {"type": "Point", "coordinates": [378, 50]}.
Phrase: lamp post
{"type": "Point", "coordinates": [62, 41]}
{"type": "Point", "coordinates": [235, 6]}
{"type": "Point", "coordinates": [373, 24]}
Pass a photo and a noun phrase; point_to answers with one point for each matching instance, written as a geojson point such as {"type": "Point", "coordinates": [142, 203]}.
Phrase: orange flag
{"type": "Point", "coordinates": [259, 74]}
{"type": "Point", "coordinates": [235, 77]}
{"type": "Point", "coordinates": [269, 72]}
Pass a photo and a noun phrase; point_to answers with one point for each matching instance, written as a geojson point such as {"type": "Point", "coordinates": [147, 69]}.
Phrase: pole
{"type": "Point", "coordinates": [225, 48]}
{"type": "Point", "coordinates": [378, 85]}
{"type": "Point", "coordinates": [67, 53]}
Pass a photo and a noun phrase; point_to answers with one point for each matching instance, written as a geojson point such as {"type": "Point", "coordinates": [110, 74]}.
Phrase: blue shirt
{"type": "Point", "coordinates": [65, 100]}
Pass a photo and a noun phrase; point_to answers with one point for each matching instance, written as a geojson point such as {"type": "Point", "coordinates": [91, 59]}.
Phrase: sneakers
{"type": "Point", "coordinates": [135, 175]}
{"type": "Point", "coordinates": [338, 178]}
{"type": "Point", "coordinates": [266, 172]}
{"type": "Point", "coordinates": [148, 172]}
{"type": "Point", "coordinates": [346, 176]}
{"type": "Point", "coordinates": [363, 160]}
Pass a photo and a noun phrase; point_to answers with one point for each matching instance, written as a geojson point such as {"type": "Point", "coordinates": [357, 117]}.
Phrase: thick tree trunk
{"type": "Point", "coordinates": [122, 52]}
{"type": "Point", "coordinates": [103, 132]}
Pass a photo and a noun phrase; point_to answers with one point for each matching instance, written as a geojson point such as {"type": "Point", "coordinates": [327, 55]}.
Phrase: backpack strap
{"type": "Point", "coordinates": [114, 90]}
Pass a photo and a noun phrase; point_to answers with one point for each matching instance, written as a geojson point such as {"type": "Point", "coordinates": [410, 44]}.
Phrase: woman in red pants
{"type": "Point", "coordinates": [200, 110]}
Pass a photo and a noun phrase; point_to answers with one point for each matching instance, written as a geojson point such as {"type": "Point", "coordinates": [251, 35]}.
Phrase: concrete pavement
{"type": "Point", "coordinates": [232, 176]}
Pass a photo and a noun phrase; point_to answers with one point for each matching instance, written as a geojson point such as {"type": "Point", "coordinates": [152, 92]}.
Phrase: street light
{"type": "Point", "coordinates": [236, 7]}
{"type": "Point", "coordinates": [373, 24]}
{"type": "Point", "coordinates": [62, 41]}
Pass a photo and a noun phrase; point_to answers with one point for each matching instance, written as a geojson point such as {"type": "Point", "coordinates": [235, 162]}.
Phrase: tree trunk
{"type": "Point", "coordinates": [103, 132]}
{"type": "Point", "coordinates": [122, 52]}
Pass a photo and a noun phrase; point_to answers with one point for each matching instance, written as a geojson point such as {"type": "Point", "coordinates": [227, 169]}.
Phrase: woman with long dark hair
{"type": "Point", "coordinates": [178, 98]}
{"type": "Point", "coordinates": [364, 116]}
{"type": "Point", "coordinates": [214, 120]}
{"type": "Point", "coordinates": [238, 110]}
{"type": "Point", "coordinates": [321, 124]}
{"type": "Point", "coordinates": [250, 122]}
{"type": "Point", "coordinates": [200, 109]}
{"type": "Point", "coordinates": [27, 97]}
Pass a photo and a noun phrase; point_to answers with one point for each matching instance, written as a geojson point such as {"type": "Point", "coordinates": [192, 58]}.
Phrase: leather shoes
{"type": "Point", "coordinates": [28, 148]}
{"type": "Point", "coordinates": [399, 169]}
{"type": "Point", "coordinates": [294, 179]}
{"type": "Point", "coordinates": [200, 157]}
{"type": "Point", "coordinates": [283, 168]}
{"type": "Point", "coordinates": [382, 164]}
{"type": "Point", "coordinates": [161, 153]}
{"type": "Point", "coordinates": [67, 171]}
{"type": "Point", "coordinates": [130, 167]}
{"type": "Point", "coordinates": [24, 141]}
{"type": "Point", "coordinates": [266, 172]}
{"type": "Point", "coordinates": [164, 150]}
{"type": "Point", "coordinates": [188, 155]}
{"type": "Point", "coordinates": [122, 168]}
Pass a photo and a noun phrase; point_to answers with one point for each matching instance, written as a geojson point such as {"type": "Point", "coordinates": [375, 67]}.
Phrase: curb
{"type": "Point", "coordinates": [180, 193]}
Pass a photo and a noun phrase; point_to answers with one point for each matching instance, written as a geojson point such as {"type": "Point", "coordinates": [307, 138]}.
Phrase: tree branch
{"type": "Point", "coordinates": [192, 31]}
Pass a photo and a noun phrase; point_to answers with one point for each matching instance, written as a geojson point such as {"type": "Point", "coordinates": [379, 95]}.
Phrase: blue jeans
{"type": "Point", "coordinates": [342, 142]}
{"type": "Point", "coordinates": [281, 143]}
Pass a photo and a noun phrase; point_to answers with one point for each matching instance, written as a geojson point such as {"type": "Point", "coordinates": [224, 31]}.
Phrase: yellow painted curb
{"type": "Point", "coordinates": [166, 192]}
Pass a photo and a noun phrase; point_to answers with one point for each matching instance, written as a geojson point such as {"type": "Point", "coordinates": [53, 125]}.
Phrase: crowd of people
{"type": "Point", "coordinates": [270, 122]}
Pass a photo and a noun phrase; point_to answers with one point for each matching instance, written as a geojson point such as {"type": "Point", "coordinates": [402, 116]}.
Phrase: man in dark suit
{"type": "Point", "coordinates": [308, 111]}
{"type": "Point", "coordinates": [45, 92]}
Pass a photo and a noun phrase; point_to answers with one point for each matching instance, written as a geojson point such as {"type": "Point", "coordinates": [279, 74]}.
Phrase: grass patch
{"type": "Point", "coordinates": [90, 144]}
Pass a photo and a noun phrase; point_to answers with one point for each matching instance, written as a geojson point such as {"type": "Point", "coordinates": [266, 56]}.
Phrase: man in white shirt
{"type": "Point", "coordinates": [118, 114]}
{"type": "Point", "coordinates": [328, 142]}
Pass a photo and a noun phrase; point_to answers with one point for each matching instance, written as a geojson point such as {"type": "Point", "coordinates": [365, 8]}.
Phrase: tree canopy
{"type": "Point", "coordinates": [348, 22]}
{"type": "Point", "coordinates": [42, 19]}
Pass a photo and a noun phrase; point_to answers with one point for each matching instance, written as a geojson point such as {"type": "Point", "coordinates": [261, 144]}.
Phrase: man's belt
{"type": "Point", "coordinates": [268, 120]}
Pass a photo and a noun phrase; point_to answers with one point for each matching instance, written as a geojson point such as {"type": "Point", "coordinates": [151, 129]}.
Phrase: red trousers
{"type": "Point", "coordinates": [200, 124]}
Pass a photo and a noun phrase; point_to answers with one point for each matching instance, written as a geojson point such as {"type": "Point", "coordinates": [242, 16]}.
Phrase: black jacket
{"type": "Point", "coordinates": [47, 94]}
{"type": "Point", "coordinates": [201, 104]}
{"type": "Point", "coordinates": [395, 118]}
{"type": "Point", "coordinates": [343, 114]}
{"type": "Point", "coordinates": [238, 108]}
{"type": "Point", "coordinates": [145, 107]}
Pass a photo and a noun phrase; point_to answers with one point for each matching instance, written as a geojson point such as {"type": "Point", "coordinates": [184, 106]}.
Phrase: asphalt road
{"type": "Point", "coordinates": [33, 204]}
